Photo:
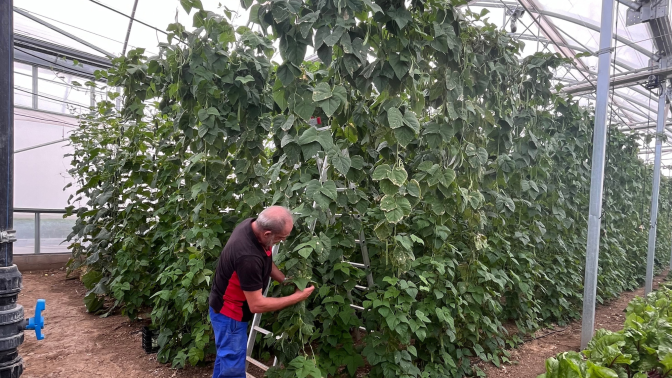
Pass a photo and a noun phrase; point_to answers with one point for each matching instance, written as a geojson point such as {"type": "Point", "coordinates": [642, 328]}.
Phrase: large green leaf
{"type": "Point", "coordinates": [308, 136]}
{"type": "Point", "coordinates": [404, 205]}
{"type": "Point", "coordinates": [322, 91]}
{"type": "Point", "coordinates": [596, 371]}
{"type": "Point", "coordinates": [400, 67]}
{"type": "Point", "coordinates": [405, 135]}
{"type": "Point", "coordinates": [381, 172]}
{"type": "Point", "coordinates": [388, 203]}
{"type": "Point", "coordinates": [411, 121]}
{"type": "Point", "coordinates": [374, 7]}
{"type": "Point", "coordinates": [331, 39]}
{"type": "Point", "coordinates": [340, 160]}
{"type": "Point", "coordinates": [329, 106]}
{"type": "Point", "coordinates": [305, 108]}
{"type": "Point", "coordinates": [398, 175]}
{"type": "Point", "coordinates": [401, 16]}
{"type": "Point", "coordinates": [279, 98]}
{"type": "Point", "coordinates": [341, 94]}
{"type": "Point", "coordinates": [395, 118]}
{"type": "Point", "coordinates": [285, 74]}
{"type": "Point", "coordinates": [329, 190]}
{"type": "Point", "coordinates": [413, 188]}
{"type": "Point", "coordinates": [395, 215]}
{"type": "Point", "coordinates": [289, 123]}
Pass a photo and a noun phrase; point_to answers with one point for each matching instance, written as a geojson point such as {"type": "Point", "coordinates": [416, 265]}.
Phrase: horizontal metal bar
{"type": "Point", "coordinates": [625, 79]}
{"type": "Point", "coordinates": [359, 287]}
{"type": "Point", "coordinates": [45, 49]}
{"type": "Point", "coordinates": [43, 211]}
{"type": "Point", "coordinates": [65, 33]}
{"type": "Point", "coordinates": [631, 4]}
{"type": "Point", "coordinates": [41, 145]}
{"type": "Point", "coordinates": [262, 330]}
{"type": "Point", "coordinates": [360, 308]}
{"type": "Point", "coordinates": [356, 265]}
{"type": "Point", "coordinates": [257, 363]}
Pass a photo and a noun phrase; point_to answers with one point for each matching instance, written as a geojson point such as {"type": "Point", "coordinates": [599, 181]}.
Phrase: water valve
{"type": "Point", "coordinates": [37, 322]}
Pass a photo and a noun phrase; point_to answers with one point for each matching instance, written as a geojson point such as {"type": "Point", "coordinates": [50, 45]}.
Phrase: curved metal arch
{"type": "Point", "coordinates": [575, 20]}
{"type": "Point", "coordinates": [527, 37]}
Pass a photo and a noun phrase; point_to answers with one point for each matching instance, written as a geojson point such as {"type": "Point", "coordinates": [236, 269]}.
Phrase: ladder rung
{"type": "Point", "coordinates": [264, 331]}
{"type": "Point", "coordinates": [356, 265]}
{"type": "Point", "coordinates": [361, 287]}
{"type": "Point", "coordinates": [248, 375]}
{"type": "Point", "coordinates": [357, 307]}
{"type": "Point", "coordinates": [257, 363]}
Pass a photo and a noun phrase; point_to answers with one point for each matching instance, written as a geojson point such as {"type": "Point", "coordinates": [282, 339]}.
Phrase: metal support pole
{"type": "Point", "coordinates": [6, 128]}
{"type": "Point", "coordinates": [35, 87]}
{"type": "Point", "coordinates": [37, 233]}
{"type": "Point", "coordinates": [660, 128]}
{"type": "Point", "coordinates": [130, 25]}
{"type": "Point", "coordinates": [597, 173]}
{"type": "Point", "coordinates": [10, 278]}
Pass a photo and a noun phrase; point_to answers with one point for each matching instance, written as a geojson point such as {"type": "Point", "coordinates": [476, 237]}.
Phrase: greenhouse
{"type": "Point", "coordinates": [336, 188]}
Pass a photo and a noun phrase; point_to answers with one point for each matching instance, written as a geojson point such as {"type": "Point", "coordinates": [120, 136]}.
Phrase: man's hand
{"type": "Point", "coordinates": [304, 294]}
{"type": "Point", "coordinates": [260, 304]}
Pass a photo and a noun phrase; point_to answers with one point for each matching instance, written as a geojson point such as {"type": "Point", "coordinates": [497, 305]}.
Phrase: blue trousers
{"type": "Point", "coordinates": [231, 342]}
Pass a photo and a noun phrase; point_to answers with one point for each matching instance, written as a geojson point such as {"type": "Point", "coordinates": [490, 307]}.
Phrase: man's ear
{"type": "Point", "coordinates": [267, 233]}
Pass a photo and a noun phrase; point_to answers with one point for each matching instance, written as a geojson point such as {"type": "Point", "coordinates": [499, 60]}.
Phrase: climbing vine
{"type": "Point", "coordinates": [457, 165]}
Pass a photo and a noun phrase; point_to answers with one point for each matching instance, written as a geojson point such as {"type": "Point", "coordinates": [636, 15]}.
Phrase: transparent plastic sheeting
{"type": "Point", "coordinates": [107, 29]}
{"type": "Point", "coordinates": [572, 19]}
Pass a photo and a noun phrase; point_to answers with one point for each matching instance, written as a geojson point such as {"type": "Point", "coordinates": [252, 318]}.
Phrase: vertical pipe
{"type": "Point", "coordinates": [35, 87]}
{"type": "Point", "coordinates": [6, 127]}
{"type": "Point", "coordinates": [37, 233]}
{"type": "Point", "coordinates": [130, 24]}
{"type": "Point", "coordinates": [597, 173]}
{"type": "Point", "coordinates": [660, 129]}
{"type": "Point", "coordinates": [12, 325]}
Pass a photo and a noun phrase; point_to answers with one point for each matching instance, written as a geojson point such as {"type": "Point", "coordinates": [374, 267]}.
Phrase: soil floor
{"type": "Point", "coordinates": [529, 358]}
{"type": "Point", "coordinates": [81, 345]}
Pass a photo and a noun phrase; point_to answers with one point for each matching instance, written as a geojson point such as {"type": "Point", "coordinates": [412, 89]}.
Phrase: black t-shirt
{"type": "Point", "coordinates": [244, 265]}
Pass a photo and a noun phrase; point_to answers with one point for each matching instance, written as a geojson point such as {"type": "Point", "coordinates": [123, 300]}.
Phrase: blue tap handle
{"type": "Point", "coordinates": [37, 323]}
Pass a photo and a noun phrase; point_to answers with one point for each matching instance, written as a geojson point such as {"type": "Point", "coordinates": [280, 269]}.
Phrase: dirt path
{"type": "Point", "coordinates": [81, 345]}
{"type": "Point", "coordinates": [528, 359]}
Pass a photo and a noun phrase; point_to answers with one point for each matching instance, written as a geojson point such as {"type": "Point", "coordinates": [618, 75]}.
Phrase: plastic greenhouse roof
{"type": "Point", "coordinates": [569, 27]}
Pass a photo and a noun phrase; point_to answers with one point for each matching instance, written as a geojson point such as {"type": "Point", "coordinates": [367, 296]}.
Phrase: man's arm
{"type": "Point", "coordinates": [276, 274]}
{"type": "Point", "coordinates": [260, 304]}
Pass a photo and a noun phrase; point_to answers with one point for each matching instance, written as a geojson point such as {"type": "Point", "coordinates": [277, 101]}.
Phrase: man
{"type": "Point", "coordinates": [243, 271]}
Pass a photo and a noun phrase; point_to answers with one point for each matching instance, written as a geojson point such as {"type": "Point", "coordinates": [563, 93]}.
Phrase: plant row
{"type": "Point", "coordinates": [457, 164]}
{"type": "Point", "coordinates": [642, 349]}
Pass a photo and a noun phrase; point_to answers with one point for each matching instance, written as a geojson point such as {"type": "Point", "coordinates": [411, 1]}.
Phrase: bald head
{"type": "Point", "coordinates": [275, 219]}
